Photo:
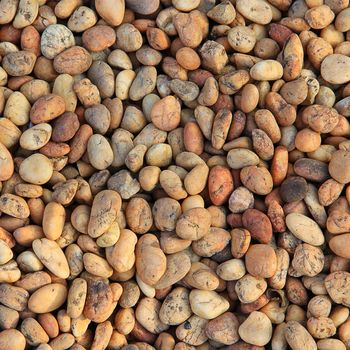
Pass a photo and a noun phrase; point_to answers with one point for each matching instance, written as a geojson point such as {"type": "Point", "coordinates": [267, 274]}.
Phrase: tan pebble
{"type": "Point", "coordinates": [339, 165]}
{"type": "Point", "coordinates": [52, 256]}
{"type": "Point", "coordinates": [207, 304]}
{"type": "Point", "coordinates": [319, 17]}
{"type": "Point", "coordinates": [305, 228]}
{"type": "Point", "coordinates": [14, 206]}
{"type": "Point", "coordinates": [12, 339]}
{"type": "Point", "coordinates": [267, 70]}
{"type": "Point", "coordinates": [297, 336]}
{"type": "Point", "coordinates": [255, 10]}
{"type": "Point", "coordinates": [47, 298]}
{"type": "Point", "coordinates": [112, 11]}
{"type": "Point", "coordinates": [335, 69]}
{"type": "Point", "coordinates": [256, 329]}
{"type": "Point", "coordinates": [6, 163]}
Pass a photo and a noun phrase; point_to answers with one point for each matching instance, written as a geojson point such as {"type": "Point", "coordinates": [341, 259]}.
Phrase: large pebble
{"type": "Point", "coordinates": [192, 332]}
{"type": "Point", "coordinates": [9, 132]}
{"type": "Point", "coordinates": [207, 304]}
{"type": "Point", "coordinates": [330, 344]}
{"type": "Point", "coordinates": [335, 69]}
{"type": "Point", "coordinates": [82, 18]}
{"type": "Point", "coordinates": [214, 56]}
{"type": "Point", "coordinates": [112, 11]}
{"type": "Point", "coordinates": [36, 137]}
{"type": "Point", "coordinates": [36, 169]}
{"type": "Point", "coordinates": [121, 256]}
{"type": "Point", "coordinates": [100, 152]}
{"type": "Point", "coordinates": [6, 253]}
{"type": "Point", "coordinates": [212, 243]}
{"type": "Point", "coordinates": [293, 189]}
{"type": "Point", "coordinates": [261, 260]}
{"type": "Point", "coordinates": [231, 270]}
{"type": "Point", "coordinates": [26, 14]}
{"type": "Point", "coordinates": [165, 113]}
{"type": "Point", "coordinates": [239, 158]}
{"type": "Point", "coordinates": [147, 313]}
{"type": "Point", "coordinates": [257, 11]}
{"type": "Point", "coordinates": [150, 259]}
{"type": "Point", "coordinates": [340, 245]}
{"type": "Point", "coordinates": [343, 106]}
{"type": "Point", "coordinates": [105, 207]}
{"type": "Point", "coordinates": [311, 169]}
{"type": "Point", "coordinates": [178, 265]}
{"type": "Point", "coordinates": [76, 297]}
{"type": "Point", "coordinates": [220, 184]}
{"type": "Point", "coordinates": [241, 39]}
{"type": "Point", "coordinates": [257, 179]}
{"type": "Point", "coordinates": [308, 260]}
{"type": "Point", "coordinates": [13, 297]}
{"type": "Point", "coordinates": [100, 300]}
{"type": "Point", "coordinates": [185, 90]}
{"type": "Point", "coordinates": [123, 183]}
{"type": "Point", "coordinates": [222, 13]}
{"type": "Point", "coordinates": [55, 39]}
{"type": "Point", "coordinates": [202, 277]}
{"type": "Point", "coordinates": [339, 166]}
{"type": "Point", "coordinates": [52, 256]}
{"type": "Point", "coordinates": [176, 307]}
{"type": "Point", "coordinates": [319, 17]}
{"type": "Point", "coordinates": [19, 63]}
{"type": "Point", "coordinates": [267, 70]}
{"type": "Point", "coordinates": [14, 206]}
{"type": "Point", "coordinates": [143, 84]}
{"type": "Point", "coordinates": [74, 60]}
{"type": "Point", "coordinates": [193, 224]}
{"type": "Point", "coordinates": [338, 287]}
{"type": "Point", "coordinates": [12, 339]}
{"type": "Point", "coordinates": [256, 329]}
{"type": "Point", "coordinates": [47, 298]}
{"type": "Point", "coordinates": [320, 118]}
{"type": "Point", "coordinates": [6, 163]}
{"type": "Point", "coordinates": [10, 272]}
{"type": "Point", "coordinates": [99, 38]}
{"type": "Point", "coordinates": [143, 7]}
{"type": "Point", "coordinates": [223, 329]}
{"type": "Point", "coordinates": [47, 108]}
{"type": "Point", "coordinates": [305, 229]}
{"type": "Point", "coordinates": [250, 288]}
{"type": "Point", "coordinates": [298, 337]}
{"type": "Point", "coordinates": [258, 224]}
{"type": "Point", "coordinates": [34, 333]}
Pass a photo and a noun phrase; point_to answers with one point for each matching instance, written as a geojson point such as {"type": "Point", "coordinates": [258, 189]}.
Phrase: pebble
{"type": "Point", "coordinates": [305, 229]}
{"type": "Point", "coordinates": [207, 304]}
{"type": "Point", "coordinates": [267, 70]}
{"type": "Point", "coordinates": [335, 69]}
{"type": "Point", "coordinates": [52, 256]}
{"type": "Point", "coordinates": [339, 166]}
{"type": "Point", "coordinates": [256, 11]}
{"type": "Point", "coordinates": [256, 329]}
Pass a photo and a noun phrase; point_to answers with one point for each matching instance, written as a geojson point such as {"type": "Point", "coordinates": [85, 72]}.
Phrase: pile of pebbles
{"type": "Point", "coordinates": [174, 174]}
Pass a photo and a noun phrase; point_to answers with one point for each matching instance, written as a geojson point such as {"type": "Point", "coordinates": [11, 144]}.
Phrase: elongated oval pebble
{"type": "Point", "coordinates": [305, 229]}
{"type": "Point", "coordinates": [267, 70]}
{"type": "Point", "coordinates": [47, 298]}
{"type": "Point", "coordinates": [52, 257]}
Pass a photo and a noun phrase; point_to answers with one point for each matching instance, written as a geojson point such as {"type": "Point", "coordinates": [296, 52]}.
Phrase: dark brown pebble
{"type": "Point", "coordinates": [311, 169]}
{"type": "Point", "coordinates": [293, 189]}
